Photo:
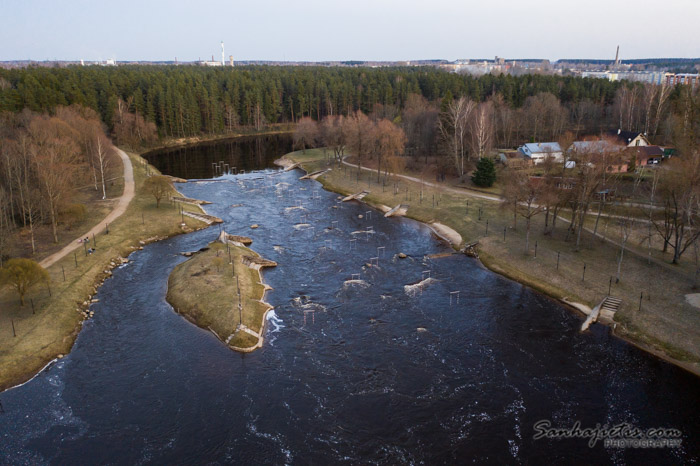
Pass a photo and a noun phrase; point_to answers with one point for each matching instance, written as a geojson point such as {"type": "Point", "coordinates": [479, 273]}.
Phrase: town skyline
{"type": "Point", "coordinates": [315, 32]}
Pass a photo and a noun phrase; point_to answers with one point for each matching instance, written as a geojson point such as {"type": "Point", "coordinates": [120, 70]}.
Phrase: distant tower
{"type": "Point", "coordinates": [230, 60]}
{"type": "Point", "coordinates": [617, 56]}
{"type": "Point", "coordinates": [223, 60]}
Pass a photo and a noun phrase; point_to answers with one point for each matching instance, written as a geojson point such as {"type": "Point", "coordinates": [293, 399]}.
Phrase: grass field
{"type": "Point", "coordinates": [51, 328]}
{"type": "Point", "coordinates": [204, 290]}
{"type": "Point", "coordinates": [666, 322]}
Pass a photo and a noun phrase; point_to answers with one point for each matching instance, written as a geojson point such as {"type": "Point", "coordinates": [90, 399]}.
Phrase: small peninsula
{"type": "Point", "coordinates": [208, 288]}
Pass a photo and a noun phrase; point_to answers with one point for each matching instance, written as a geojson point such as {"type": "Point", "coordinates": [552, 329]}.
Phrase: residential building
{"type": "Point", "coordinates": [538, 152]}
{"type": "Point", "coordinates": [683, 78]}
{"type": "Point", "coordinates": [629, 138]}
{"type": "Point", "coordinates": [604, 151]}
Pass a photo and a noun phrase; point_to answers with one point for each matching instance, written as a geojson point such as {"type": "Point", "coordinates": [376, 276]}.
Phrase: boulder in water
{"type": "Point", "coordinates": [402, 255]}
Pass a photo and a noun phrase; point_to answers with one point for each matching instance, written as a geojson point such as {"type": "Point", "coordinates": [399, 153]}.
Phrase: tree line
{"type": "Point", "coordinates": [44, 158]}
{"type": "Point", "coordinates": [189, 100]}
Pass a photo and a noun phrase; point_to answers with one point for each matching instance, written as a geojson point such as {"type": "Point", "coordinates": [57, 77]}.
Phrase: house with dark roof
{"type": "Point", "coordinates": [629, 138]}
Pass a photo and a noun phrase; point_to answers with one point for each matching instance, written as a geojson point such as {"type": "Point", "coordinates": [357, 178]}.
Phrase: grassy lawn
{"type": "Point", "coordinates": [53, 326]}
{"type": "Point", "coordinates": [204, 290]}
{"type": "Point", "coordinates": [666, 321]}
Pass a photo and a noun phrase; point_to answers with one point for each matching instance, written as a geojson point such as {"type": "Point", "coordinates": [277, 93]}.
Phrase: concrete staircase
{"type": "Point", "coordinates": [607, 309]}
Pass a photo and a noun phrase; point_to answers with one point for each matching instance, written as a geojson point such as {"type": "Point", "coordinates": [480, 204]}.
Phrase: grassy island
{"type": "Point", "coordinates": [205, 290]}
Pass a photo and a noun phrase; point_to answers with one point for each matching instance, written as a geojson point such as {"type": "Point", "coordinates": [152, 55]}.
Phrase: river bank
{"type": "Point", "coordinates": [33, 336]}
{"type": "Point", "coordinates": [208, 288]}
{"type": "Point", "coordinates": [551, 271]}
{"type": "Point", "coordinates": [171, 143]}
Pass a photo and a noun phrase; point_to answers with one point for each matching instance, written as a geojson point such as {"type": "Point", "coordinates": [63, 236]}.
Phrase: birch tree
{"type": "Point", "coordinates": [481, 128]}
{"type": "Point", "coordinates": [454, 129]}
{"type": "Point", "coordinates": [103, 156]}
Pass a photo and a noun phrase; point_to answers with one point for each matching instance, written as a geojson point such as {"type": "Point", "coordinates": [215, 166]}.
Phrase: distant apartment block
{"type": "Point", "coordinates": [683, 78]}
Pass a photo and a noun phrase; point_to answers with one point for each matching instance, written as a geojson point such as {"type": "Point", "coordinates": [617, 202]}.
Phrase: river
{"type": "Point", "coordinates": [355, 368]}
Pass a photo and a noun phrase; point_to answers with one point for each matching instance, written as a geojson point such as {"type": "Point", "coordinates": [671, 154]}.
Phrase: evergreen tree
{"type": "Point", "coordinates": [485, 173]}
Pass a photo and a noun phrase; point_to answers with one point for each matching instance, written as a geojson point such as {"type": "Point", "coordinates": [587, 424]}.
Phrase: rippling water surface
{"type": "Point", "coordinates": [356, 367]}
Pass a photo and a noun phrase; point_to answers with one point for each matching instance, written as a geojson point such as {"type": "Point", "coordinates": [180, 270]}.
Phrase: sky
{"type": "Point", "coordinates": [318, 30]}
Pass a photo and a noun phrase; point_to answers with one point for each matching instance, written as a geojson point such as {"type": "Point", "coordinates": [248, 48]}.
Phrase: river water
{"type": "Point", "coordinates": [355, 368]}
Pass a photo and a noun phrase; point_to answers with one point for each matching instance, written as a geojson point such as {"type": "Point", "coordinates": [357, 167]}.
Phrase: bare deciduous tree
{"type": "Point", "coordinates": [54, 156]}
{"type": "Point", "coordinates": [306, 133]}
{"type": "Point", "coordinates": [360, 136]}
{"type": "Point", "coordinates": [158, 186]}
{"type": "Point", "coordinates": [389, 141]}
{"type": "Point", "coordinates": [680, 191]}
{"type": "Point", "coordinates": [103, 155]}
{"type": "Point", "coordinates": [454, 128]}
{"type": "Point", "coordinates": [481, 129]}
{"type": "Point", "coordinates": [334, 129]}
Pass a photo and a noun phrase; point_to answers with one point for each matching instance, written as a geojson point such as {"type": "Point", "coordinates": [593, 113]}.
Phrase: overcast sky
{"type": "Point", "coordinates": [319, 30]}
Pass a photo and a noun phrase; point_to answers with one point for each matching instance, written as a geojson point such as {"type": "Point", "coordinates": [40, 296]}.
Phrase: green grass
{"type": "Point", "coordinates": [52, 329]}
{"type": "Point", "coordinates": [207, 294]}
